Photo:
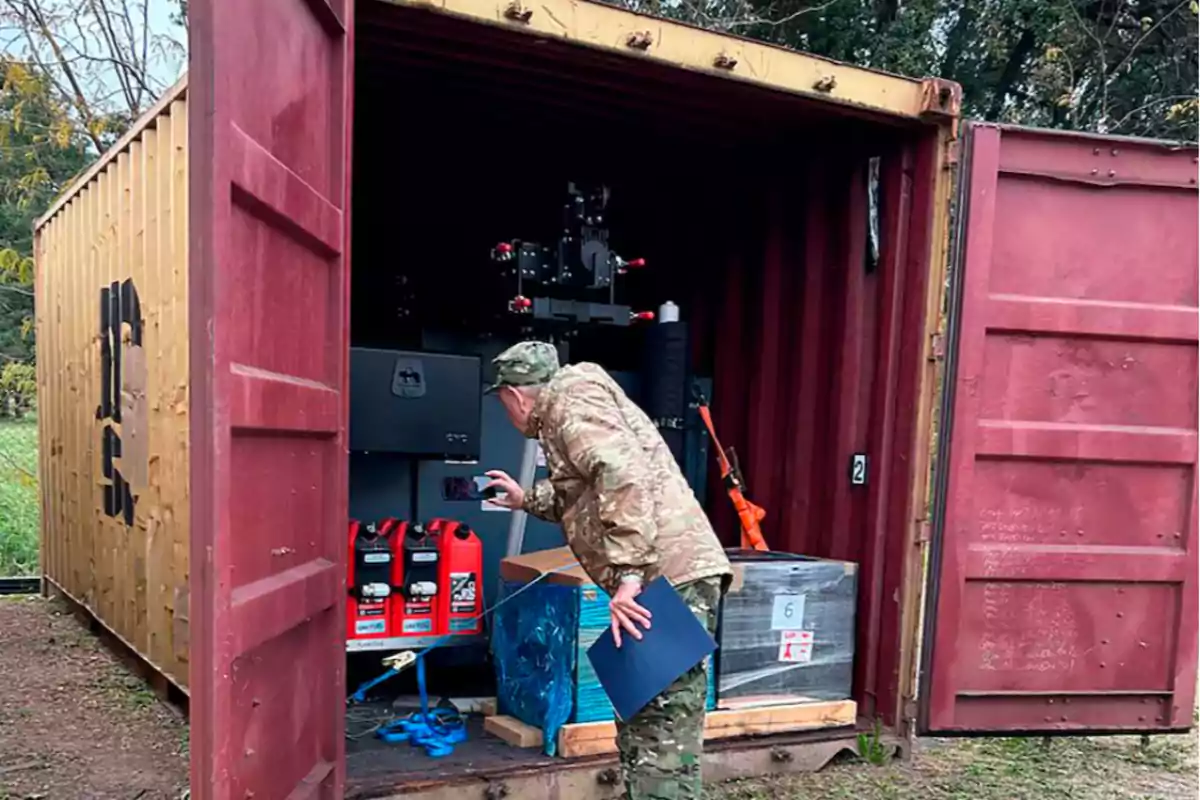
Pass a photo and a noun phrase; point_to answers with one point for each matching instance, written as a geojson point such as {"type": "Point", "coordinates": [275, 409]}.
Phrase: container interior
{"type": "Point", "coordinates": [777, 225]}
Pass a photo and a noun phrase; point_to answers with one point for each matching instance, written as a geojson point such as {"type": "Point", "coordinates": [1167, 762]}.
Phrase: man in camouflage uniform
{"type": "Point", "coordinates": [629, 516]}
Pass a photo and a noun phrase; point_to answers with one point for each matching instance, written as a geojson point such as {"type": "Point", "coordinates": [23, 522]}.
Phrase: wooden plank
{"type": "Point", "coordinates": [75, 337]}
{"type": "Point", "coordinates": [156, 624]}
{"type": "Point", "coordinates": [176, 437]}
{"type": "Point", "coordinates": [75, 554]}
{"type": "Point", "coordinates": [596, 738]}
{"type": "Point", "coordinates": [124, 581]}
{"type": "Point", "coordinates": [46, 353]}
{"type": "Point", "coordinates": [483, 706]}
{"type": "Point", "coordinates": [513, 731]}
{"type": "Point", "coordinates": [763, 701]}
{"type": "Point", "coordinates": [779, 719]}
{"type": "Point", "coordinates": [67, 486]}
{"type": "Point", "coordinates": [45, 544]}
{"type": "Point", "coordinates": [110, 607]}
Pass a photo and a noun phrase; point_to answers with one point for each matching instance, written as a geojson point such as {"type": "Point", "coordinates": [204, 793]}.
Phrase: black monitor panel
{"type": "Point", "coordinates": [426, 405]}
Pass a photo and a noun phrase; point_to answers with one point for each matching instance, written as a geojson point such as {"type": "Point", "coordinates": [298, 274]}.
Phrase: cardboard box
{"type": "Point", "coordinates": [528, 567]}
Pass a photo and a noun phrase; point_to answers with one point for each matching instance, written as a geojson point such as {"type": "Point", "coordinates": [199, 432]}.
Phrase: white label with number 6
{"type": "Point", "coordinates": [788, 612]}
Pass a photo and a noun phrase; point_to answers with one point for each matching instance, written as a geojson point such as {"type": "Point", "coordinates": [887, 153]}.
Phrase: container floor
{"type": "Point", "coordinates": [372, 765]}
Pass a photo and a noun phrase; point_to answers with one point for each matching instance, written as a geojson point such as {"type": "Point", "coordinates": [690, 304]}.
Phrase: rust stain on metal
{"type": "Point", "coordinates": [640, 40]}
{"type": "Point", "coordinates": [518, 13]}
{"type": "Point", "coordinates": [826, 84]}
{"type": "Point", "coordinates": [725, 61]}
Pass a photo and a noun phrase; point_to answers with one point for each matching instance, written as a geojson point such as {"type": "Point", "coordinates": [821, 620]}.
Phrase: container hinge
{"type": "Point", "coordinates": [941, 100]}
{"type": "Point", "coordinates": [910, 711]}
{"type": "Point", "coordinates": [924, 531]}
{"type": "Point", "coordinates": [937, 347]}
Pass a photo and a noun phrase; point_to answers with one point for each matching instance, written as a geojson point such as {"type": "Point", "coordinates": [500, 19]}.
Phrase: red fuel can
{"type": "Point", "coordinates": [415, 610]}
{"type": "Point", "coordinates": [461, 576]}
{"type": "Point", "coordinates": [371, 579]}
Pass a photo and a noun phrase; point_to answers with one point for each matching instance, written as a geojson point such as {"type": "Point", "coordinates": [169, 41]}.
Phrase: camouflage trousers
{"type": "Point", "coordinates": [661, 746]}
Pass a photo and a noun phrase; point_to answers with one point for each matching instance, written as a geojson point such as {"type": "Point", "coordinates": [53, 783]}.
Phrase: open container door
{"type": "Point", "coordinates": [1063, 596]}
{"type": "Point", "coordinates": [269, 137]}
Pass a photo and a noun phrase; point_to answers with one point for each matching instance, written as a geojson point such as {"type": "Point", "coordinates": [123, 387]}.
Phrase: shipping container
{"type": "Point", "coordinates": [196, 305]}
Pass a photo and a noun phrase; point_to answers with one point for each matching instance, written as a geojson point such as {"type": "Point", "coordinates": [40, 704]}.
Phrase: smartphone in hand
{"type": "Point", "coordinates": [466, 488]}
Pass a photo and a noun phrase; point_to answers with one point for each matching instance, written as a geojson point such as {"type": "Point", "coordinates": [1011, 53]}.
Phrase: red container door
{"type": "Point", "coordinates": [1064, 568]}
{"type": "Point", "coordinates": [269, 99]}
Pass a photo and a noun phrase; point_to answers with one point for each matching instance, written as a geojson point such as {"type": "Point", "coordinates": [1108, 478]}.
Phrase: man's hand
{"type": "Point", "coordinates": [514, 495]}
{"type": "Point", "coordinates": [626, 613]}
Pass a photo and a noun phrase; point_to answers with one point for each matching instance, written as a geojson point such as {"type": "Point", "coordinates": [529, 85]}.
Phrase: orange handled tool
{"type": "Point", "coordinates": [748, 513]}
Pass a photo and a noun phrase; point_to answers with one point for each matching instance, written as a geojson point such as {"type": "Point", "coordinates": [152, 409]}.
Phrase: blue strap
{"type": "Point", "coordinates": [360, 694]}
{"type": "Point", "coordinates": [421, 692]}
{"type": "Point", "coordinates": [436, 731]}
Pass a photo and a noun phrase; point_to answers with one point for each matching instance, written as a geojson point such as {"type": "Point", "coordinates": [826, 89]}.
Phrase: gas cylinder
{"type": "Point", "coordinates": [461, 602]}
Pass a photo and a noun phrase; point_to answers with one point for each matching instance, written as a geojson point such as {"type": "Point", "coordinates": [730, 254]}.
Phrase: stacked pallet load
{"type": "Point", "coordinates": [787, 630]}
{"type": "Point", "coordinates": [550, 615]}
{"type": "Point", "coordinates": [549, 697]}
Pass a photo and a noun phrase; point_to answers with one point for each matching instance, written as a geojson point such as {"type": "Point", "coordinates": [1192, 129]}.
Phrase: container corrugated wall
{"type": "Point", "coordinates": [112, 353]}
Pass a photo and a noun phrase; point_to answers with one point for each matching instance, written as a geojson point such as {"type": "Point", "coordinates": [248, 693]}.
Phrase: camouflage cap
{"type": "Point", "coordinates": [525, 364]}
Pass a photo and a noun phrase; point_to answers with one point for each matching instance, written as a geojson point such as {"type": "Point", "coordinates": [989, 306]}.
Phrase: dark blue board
{"type": "Point", "coordinates": [640, 669]}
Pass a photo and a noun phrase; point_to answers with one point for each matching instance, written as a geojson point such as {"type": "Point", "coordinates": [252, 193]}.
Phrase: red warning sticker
{"type": "Point", "coordinates": [796, 647]}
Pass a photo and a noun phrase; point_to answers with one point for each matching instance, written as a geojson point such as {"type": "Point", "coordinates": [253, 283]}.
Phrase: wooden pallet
{"type": "Point", "coordinates": [513, 731]}
{"type": "Point", "coordinates": [598, 738]}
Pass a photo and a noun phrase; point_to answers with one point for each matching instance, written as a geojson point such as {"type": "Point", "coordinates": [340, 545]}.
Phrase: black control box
{"type": "Point", "coordinates": [426, 405]}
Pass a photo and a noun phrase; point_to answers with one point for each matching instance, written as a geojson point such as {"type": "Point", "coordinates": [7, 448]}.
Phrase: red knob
{"type": "Point", "coordinates": [642, 315]}
{"type": "Point", "coordinates": [504, 248]}
{"type": "Point", "coordinates": [521, 303]}
{"type": "Point", "coordinates": [636, 263]}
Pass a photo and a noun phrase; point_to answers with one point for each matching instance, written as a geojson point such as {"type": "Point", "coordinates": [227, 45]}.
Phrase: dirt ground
{"type": "Point", "coordinates": [76, 725]}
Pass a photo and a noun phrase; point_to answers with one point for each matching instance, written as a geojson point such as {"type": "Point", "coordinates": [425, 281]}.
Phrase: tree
{"type": "Point", "coordinates": [74, 74]}
{"type": "Point", "coordinates": [107, 60]}
{"type": "Point", "coordinates": [40, 151]}
{"type": "Point", "coordinates": [180, 15]}
{"type": "Point", "coordinates": [1114, 66]}
{"type": "Point", "coordinates": [18, 388]}
{"type": "Point", "coordinates": [1127, 67]}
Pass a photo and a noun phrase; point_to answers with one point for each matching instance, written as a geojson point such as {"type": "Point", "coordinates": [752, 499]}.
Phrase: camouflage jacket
{"type": "Point", "coordinates": [615, 487]}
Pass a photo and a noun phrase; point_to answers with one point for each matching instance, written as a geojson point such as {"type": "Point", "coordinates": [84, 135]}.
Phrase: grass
{"type": "Point", "coordinates": [1100, 768]}
{"type": "Point", "coordinates": [18, 497]}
